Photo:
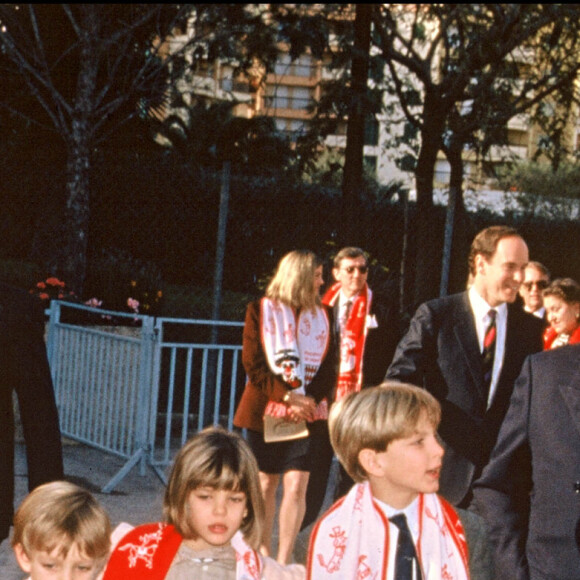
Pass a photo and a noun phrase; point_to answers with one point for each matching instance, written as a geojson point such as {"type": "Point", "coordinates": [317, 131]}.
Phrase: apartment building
{"type": "Point", "coordinates": [288, 94]}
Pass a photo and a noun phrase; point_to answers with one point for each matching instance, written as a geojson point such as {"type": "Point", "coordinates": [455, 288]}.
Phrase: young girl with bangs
{"type": "Point", "coordinates": [213, 511]}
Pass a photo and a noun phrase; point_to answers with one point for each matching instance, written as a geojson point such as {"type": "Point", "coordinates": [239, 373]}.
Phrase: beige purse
{"type": "Point", "coordinates": [278, 429]}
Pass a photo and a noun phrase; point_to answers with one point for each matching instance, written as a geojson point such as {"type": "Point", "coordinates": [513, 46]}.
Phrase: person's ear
{"type": "Point", "coordinates": [335, 272]}
{"type": "Point", "coordinates": [22, 558]}
{"type": "Point", "coordinates": [369, 462]}
{"type": "Point", "coordinates": [479, 264]}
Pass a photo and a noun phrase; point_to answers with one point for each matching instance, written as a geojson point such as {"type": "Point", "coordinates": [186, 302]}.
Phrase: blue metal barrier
{"type": "Point", "coordinates": [140, 390]}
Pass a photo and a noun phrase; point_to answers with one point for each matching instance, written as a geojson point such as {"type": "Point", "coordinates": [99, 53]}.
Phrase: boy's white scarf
{"type": "Point", "coordinates": [352, 540]}
{"type": "Point", "coordinates": [294, 348]}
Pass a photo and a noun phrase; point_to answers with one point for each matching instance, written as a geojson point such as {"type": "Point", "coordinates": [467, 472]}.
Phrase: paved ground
{"type": "Point", "coordinates": [137, 499]}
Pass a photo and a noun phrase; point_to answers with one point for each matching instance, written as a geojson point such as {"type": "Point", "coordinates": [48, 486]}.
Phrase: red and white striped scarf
{"type": "Point", "coordinates": [352, 540]}
{"type": "Point", "coordinates": [352, 342]}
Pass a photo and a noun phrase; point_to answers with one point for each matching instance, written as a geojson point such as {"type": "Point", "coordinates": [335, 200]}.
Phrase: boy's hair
{"type": "Point", "coordinates": [373, 417]}
{"type": "Point", "coordinates": [60, 514]}
{"type": "Point", "coordinates": [220, 459]}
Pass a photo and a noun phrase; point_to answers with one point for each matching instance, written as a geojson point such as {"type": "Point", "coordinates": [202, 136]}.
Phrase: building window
{"type": "Point", "coordinates": [299, 67]}
{"type": "Point", "coordinates": [284, 97]}
{"type": "Point", "coordinates": [371, 132]}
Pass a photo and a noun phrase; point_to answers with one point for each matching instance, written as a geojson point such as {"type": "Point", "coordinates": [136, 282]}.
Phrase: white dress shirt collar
{"type": "Point", "coordinates": [480, 309]}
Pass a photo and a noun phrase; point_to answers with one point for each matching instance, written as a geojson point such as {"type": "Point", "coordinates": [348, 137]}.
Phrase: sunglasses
{"type": "Point", "coordinates": [361, 269]}
{"type": "Point", "coordinates": [540, 285]}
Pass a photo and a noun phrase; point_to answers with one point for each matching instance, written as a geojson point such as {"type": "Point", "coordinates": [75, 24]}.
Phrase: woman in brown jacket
{"type": "Point", "coordinates": [287, 356]}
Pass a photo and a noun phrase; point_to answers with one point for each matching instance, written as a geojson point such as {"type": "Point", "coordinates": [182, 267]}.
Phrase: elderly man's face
{"type": "Point", "coordinates": [352, 275]}
{"type": "Point", "coordinates": [531, 289]}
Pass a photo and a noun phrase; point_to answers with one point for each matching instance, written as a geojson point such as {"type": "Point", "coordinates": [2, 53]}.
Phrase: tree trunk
{"type": "Point", "coordinates": [357, 115]}
{"type": "Point", "coordinates": [72, 263]}
{"type": "Point", "coordinates": [73, 258]}
{"type": "Point", "coordinates": [454, 212]}
{"type": "Point", "coordinates": [426, 275]}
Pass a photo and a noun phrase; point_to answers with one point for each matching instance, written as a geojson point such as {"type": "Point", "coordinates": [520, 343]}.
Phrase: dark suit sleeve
{"type": "Point", "coordinates": [416, 347]}
{"type": "Point", "coordinates": [480, 553]}
{"type": "Point", "coordinates": [381, 342]}
{"type": "Point", "coordinates": [501, 495]}
{"type": "Point", "coordinates": [30, 377]}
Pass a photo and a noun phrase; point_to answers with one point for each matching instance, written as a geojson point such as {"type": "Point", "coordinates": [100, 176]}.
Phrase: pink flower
{"type": "Point", "coordinates": [94, 303]}
{"type": "Point", "coordinates": [43, 296]}
{"type": "Point", "coordinates": [133, 304]}
{"type": "Point", "coordinates": [41, 285]}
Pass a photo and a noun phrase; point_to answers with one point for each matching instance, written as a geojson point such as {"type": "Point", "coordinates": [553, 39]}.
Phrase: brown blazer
{"type": "Point", "coordinates": [263, 385]}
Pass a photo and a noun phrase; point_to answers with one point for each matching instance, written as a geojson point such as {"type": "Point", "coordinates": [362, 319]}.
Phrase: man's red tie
{"type": "Point", "coordinates": [489, 348]}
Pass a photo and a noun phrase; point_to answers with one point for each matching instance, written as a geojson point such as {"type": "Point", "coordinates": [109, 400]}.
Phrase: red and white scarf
{"type": "Point", "coordinates": [147, 551]}
{"type": "Point", "coordinates": [352, 540]}
{"type": "Point", "coordinates": [294, 348]}
{"type": "Point", "coordinates": [352, 342]}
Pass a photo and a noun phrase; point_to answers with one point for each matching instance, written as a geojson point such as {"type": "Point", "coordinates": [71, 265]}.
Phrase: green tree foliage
{"type": "Point", "coordinates": [458, 73]}
{"type": "Point", "coordinates": [542, 191]}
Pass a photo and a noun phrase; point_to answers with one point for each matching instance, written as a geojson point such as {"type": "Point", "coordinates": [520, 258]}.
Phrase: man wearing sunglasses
{"type": "Point", "coordinates": [536, 280]}
{"type": "Point", "coordinates": [366, 335]}
{"type": "Point", "coordinates": [467, 350]}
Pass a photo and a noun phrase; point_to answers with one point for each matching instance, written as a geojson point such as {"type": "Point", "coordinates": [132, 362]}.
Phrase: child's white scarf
{"type": "Point", "coordinates": [294, 348]}
{"type": "Point", "coordinates": [352, 540]}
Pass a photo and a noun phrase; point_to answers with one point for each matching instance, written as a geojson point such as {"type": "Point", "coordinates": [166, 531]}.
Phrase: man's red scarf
{"type": "Point", "coordinates": [352, 343]}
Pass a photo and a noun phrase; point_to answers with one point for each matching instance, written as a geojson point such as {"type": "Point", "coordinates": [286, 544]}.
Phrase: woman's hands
{"type": "Point", "coordinates": [300, 407]}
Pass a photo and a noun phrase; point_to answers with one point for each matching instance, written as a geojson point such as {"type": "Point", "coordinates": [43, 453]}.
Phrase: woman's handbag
{"type": "Point", "coordinates": [280, 429]}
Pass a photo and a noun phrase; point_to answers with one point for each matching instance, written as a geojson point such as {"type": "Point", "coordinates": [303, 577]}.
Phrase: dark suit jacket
{"type": "Point", "coordinates": [440, 352]}
{"type": "Point", "coordinates": [24, 369]}
{"type": "Point", "coordinates": [530, 491]}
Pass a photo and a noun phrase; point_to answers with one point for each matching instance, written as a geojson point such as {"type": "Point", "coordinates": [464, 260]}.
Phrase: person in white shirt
{"type": "Point", "coordinates": [536, 280]}
{"type": "Point", "coordinates": [446, 352]}
{"type": "Point", "coordinates": [392, 523]}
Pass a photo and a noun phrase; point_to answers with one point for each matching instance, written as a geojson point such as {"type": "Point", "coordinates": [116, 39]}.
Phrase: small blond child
{"type": "Point", "coordinates": [391, 524]}
{"type": "Point", "coordinates": [61, 531]}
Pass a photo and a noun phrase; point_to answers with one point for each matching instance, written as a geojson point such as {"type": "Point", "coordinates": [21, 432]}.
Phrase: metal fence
{"type": "Point", "coordinates": [137, 386]}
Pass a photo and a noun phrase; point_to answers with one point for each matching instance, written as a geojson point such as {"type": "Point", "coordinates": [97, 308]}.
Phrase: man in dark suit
{"type": "Point", "coordinates": [365, 327]}
{"type": "Point", "coordinates": [536, 280]}
{"type": "Point", "coordinates": [24, 369]}
{"type": "Point", "coordinates": [366, 335]}
{"type": "Point", "coordinates": [467, 350]}
{"type": "Point", "coordinates": [529, 492]}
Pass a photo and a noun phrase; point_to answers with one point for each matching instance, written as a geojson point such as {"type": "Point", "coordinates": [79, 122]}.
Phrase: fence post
{"type": "Point", "coordinates": [54, 319]}
{"type": "Point", "coordinates": [144, 402]}
{"type": "Point", "coordinates": [142, 453]}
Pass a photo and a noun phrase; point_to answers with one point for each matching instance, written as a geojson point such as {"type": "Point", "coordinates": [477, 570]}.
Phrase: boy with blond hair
{"type": "Point", "coordinates": [61, 531]}
{"type": "Point", "coordinates": [392, 524]}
